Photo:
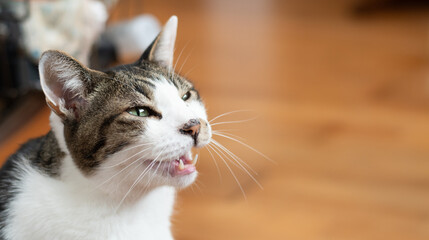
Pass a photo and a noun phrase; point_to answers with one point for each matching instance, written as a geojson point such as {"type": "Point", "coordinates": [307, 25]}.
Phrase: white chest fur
{"type": "Point", "coordinates": [49, 208]}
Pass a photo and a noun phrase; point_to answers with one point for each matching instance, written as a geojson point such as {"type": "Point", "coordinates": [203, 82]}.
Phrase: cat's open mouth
{"type": "Point", "coordinates": [180, 166]}
{"type": "Point", "coordinates": [183, 165]}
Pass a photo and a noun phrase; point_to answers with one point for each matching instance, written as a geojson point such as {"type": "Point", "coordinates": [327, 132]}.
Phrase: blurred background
{"type": "Point", "coordinates": [336, 93]}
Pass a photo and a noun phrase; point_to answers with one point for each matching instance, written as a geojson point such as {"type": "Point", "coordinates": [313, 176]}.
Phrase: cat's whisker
{"type": "Point", "coordinates": [228, 134]}
{"type": "Point", "coordinates": [124, 161]}
{"type": "Point", "coordinates": [119, 172]}
{"type": "Point", "coordinates": [154, 172]}
{"type": "Point", "coordinates": [178, 58]}
{"type": "Point", "coordinates": [228, 113]}
{"type": "Point", "coordinates": [234, 121]}
{"type": "Point", "coordinates": [186, 59]}
{"type": "Point", "coordinates": [137, 146]}
{"type": "Point", "coordinates": [151, 177]}
{"type": "Point", "coordinates": [223, 154]}
{"type": "Point", "coordinates": [230, 170]}
{"type": "Point", "coordinates": [197, 186]}
{"type": "Point", "coordinates": [234, 156]}
{"type": "Point", "coordinates": [119, 184]}
{"type": "Point", "coordinates": [169, 168]}
{"type": "Point", "coordinates": [123, 169]}
{"type": "Point", "coordinates": [246, 145]}
{"type": "Point", "coordinates": [237, 163]}
{"type": "Point", "coordinates": [144, 189]}
{"type": "Point", "coordinates": [141, 176]}
{"type": "Point", "coordinates": [226, 130]}
{"type": "Point", "coordinates": [217, 166]}
{"type": "Point", "coordinates": [189, 71]}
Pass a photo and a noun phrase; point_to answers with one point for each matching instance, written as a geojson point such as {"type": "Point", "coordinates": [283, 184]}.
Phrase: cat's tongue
{"type": "Point", "coordinates": [183, 166]}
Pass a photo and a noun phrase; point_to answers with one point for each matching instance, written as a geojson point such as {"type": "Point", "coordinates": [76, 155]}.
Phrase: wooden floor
{"type": "Point", "coordinates": [342, 107]}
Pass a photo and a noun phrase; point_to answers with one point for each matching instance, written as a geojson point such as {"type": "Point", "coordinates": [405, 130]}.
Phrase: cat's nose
{"type": "Point", "coordinates": [192, 128]}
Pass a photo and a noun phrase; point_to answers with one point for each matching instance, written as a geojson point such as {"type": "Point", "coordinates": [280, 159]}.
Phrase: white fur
{"type": "Point", "coordinates": [70, 208]}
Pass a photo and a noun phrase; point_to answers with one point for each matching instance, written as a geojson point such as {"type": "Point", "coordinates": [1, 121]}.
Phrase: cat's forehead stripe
{"type": "Point", "coordinates": [143, 91]}
{"type": "Point", "coordinates": [145, 80]}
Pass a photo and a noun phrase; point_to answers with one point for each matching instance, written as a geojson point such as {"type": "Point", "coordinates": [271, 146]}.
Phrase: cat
{"type": "Point", "coordinates": [118, 150]}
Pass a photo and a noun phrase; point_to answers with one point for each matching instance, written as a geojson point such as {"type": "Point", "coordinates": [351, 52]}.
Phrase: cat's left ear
{"type": "Point", "coordinates": [66, 83]}
{"type": "Point", "coordinates": [161, 49]}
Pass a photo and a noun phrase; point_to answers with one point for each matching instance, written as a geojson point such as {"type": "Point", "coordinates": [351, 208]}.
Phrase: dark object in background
{"type": "Point", "coordinates": [18, 74]}
{"type": "Point", "coordinates": [103, 54]}
{"type": "Point", "coordinates": [20, 90]}
{"type": "Point", "coordinates": [366, 8]}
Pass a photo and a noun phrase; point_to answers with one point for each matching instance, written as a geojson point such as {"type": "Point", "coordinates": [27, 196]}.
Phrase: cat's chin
{"type": "Point", "coordinates": [183, 181]}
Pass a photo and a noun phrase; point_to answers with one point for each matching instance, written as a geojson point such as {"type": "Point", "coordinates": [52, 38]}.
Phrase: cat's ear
{"type": "Point", "coordinates": [161, 50]}
{"type": "Point", "coordinates": [65, 83]}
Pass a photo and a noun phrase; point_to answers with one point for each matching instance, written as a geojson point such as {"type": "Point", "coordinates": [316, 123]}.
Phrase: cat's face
{"type": "Point", "coordinates": [133, 126]}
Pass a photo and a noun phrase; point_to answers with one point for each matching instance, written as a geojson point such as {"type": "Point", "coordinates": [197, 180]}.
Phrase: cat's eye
{"type": "Point", "coordinates": [186, 96]}
{"type": "Point", "coordinates": [139, 111]}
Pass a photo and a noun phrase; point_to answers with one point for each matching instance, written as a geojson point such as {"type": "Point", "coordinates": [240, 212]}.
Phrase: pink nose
{"type": "Point", "coordinates": [191, 128]}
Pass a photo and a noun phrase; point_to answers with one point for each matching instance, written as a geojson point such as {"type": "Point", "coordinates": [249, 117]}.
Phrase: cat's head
{"type": "Point", "coordinates": [131, 125]}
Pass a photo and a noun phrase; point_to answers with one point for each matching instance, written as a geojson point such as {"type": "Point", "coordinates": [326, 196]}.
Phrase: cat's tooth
{"type": "Point", "coordinates": [181, 165]}
{"type": "Point", "coordinates": [195, 159]}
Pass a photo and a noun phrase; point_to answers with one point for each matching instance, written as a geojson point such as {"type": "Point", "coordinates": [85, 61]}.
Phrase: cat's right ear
{"type": "Point", "coordinates": [161, 50]}
{"type": "Point", "coordinates": [65, 83]}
